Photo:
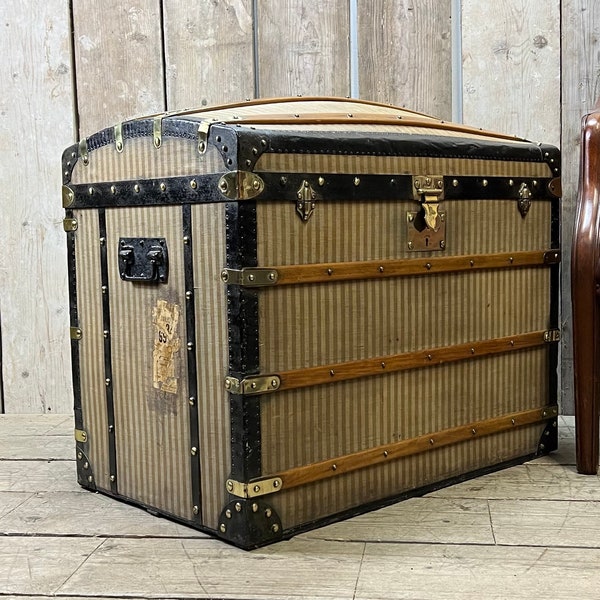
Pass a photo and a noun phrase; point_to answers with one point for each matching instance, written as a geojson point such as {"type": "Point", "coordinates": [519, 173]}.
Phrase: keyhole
{"type": "Point", "coordinates": [426, 242]}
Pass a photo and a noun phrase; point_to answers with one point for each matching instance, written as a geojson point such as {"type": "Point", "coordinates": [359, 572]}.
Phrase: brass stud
{"type": "Point", "coordinates": [193, 184]}
{"type": "Point", "coordinates": [90, 478]}
{"type": "Point", "coordinates": [383, 365]}
{"type": "Point", "coordinates": [253, 385]}
{"type": "Point", "coordinates": [410, 245]}
{"type": "Point", "coordinates": [381, 269]}
{"type": "Point", "coordinates": [511, 182]}
{"type": "Point", "coordinates": [104, 289]}
{"type": "Point", "coordinates": [136, 188]}
{"type": "Point", "coordinates": [276, 484]}
{"type": "Point", "coordinates": [512, 342]}
{"type": "Point", "coordinates": [334, 467]}
{"type": "Point", "coordinates": [472, 350]}
{"type": "Point", "coordinates": [251, 277]}
{"type": "Point", "coordinates": [511, 260]}
{"type": "Point", "coordinates": [90, 191]}
{"type": "Point", "coordinates": [254, 507]}
{"type": "Point", "coordinates": [332, 373]}
{"type": "Point", "coordinates": [274, 384]}
{"type": "Point", "coordinates": [106, 333]}
{"type": "Point", "coordinates": [512, 421]}
{"type": "Point", "coordinates": [472, 263]}
{"type": "Point", "coordinates": [268, 513]}
{"type": "Point", "coordinates": [238, 507]}
{"type": "Point", "coordinates": [86, 465]}
{"type": "Point", "coordinates": [257, 489]}
{"type": "Point", "coordinates": [119, 146]}
{"type": "Point", "coordinates": [411, 217]}
{"type": "Point", "coordinates": [428, 266]}
{"type": "Point", "coordinates": [194, 451]}
{"type": "Point", "coordinates": [321, 181]}
{"type": "Point", "coordinates": [190, 346]}
{"type": "Point", "coordinates": [442, 244]}
{"type": "Point", "coordinates": [102, 241]}
{"type": "Point", "coordinates": [107, 381]}
{"type": "Point", "coordinates": [484, 183]}
{"type": "Point", "coordinates": [474, 431]}
{"type": "Point", "coordinates": [195, 510]}
{"type": "Point", "coordinates": [455, 182]}
{"type": "Point", "coordinates": [275, 528]}
{"type": "Point", "coordinates": [79, 455]}
{"type": "Point", "coordinates": [431, 442]}
{"type": "Point", "coordinates": [186, 239]}
{"type": "Point", "coordinates": [429, 357]}
{"type": "Point", "coordinates": [192, 400]}
{"type": "Point", "coordinates": [113, 478]}
{"type": "Point", "coordinates": [329, 271]}
{"type": "Point", "coordinates": [163, 186]}
{"type": "Point", "coordinates": [113, 189]}
{"type": "Point", "coordinates": [188, 295]}
{"type": "Point", "coordinates": [385, 453]}
{"type": "Point", "coordinates": [357, 181]}
{"type": "Point", "coordinates": [222, 528]}
{"type": "Point", "coordinates": [230, 486]}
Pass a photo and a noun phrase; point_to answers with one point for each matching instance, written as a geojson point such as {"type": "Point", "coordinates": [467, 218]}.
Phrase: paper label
{"type": "Point", "coordinates": [165, 317]}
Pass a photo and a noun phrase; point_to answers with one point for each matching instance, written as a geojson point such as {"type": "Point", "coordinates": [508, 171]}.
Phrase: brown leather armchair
{"type": "Point", "coordinates": [585, 295]}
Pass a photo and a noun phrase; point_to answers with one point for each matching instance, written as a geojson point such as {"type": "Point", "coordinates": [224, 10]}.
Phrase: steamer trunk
{"type": "Point", "coordinates": [289, 311]}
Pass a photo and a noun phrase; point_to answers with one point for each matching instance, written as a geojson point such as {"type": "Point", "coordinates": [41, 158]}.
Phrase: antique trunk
{"type": "Point", "coordinates": [284, 312]}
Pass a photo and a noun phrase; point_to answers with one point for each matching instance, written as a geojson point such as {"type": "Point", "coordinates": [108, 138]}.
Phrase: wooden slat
{"type": "Point", "coordinates": [511, 67]}
{"type": "Point", "coordinates": [208, 52]}
{"type": "Point", "coordinates": [35, 126]}
{"type": "Point", "coordinates": [404, 54]}
{"type": "Point", "coordinates": [302, 47]}
{"type": "Point", "coordinates": [409, 360]}
{"type": "Point", "coordinates": [118, 56]}
{"type": "Point", "coordinates": [581, 57]}
{"type": "Point", "coordinates": [345, 464]}
{"type": "Point", "coordinates": [377, 269]}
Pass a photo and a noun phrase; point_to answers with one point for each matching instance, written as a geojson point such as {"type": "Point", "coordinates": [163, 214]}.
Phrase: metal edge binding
{"type": "Point", "coordinates": [69, 160]}
{"type": "Point", "coordinates": [85, 472]}
{"type": "Point", "coordinates": [249, 523]}
{"type": "Point", "coordinates": [549, 438]}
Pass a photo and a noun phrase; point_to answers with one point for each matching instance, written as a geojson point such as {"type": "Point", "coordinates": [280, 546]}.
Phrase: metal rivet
{"type": "Point", "coordinates": [222, 528]}
{"type": "Point", "coordinates": [256, 184]}
{"type": "Point", "coordinates": [194, 450]}
{"type": "Point", "coordinates": [455, 182]}
{"type": "Point", "coordinates": [188, 295]}
{"type": "Point", "coordinates": [238, 507]}
{"type": "Point", "coordinates": [190, 346]}
{"type": "Point", "coordinates": [193, 184]}
{"type": "Point", "coordinates": [357, 181]}
{"type": "Point", "coordinates": [472, 263]}
{"type": "Point", "coordinates": [411, 218]}
{"type": "Point", "coordinates": [104, 289]}
{"type": "Point", "coordinates": [186, 239]}
{"type": "Point", "coordinates": [274, 383]}
{"type": "Point", "coordinates": [383, 365]}
{"type": "Point", "coordinates": [332, 373]}
{"type": "Point", "coordinates": [228, 384]}
{"type": "Point", "coordinates": [250, 277]}
{"type": "Point", "coordinates": [329, 271]}
{"type": "Point", "coordinates": [282, 180]}
{"type": "Point", "coordinates": [263, 143]}
{"type": "Point", "coordinates": [79, 455]}
{"type": "Point", "coordinates": [255, 151]}
{"type": "Point", "coordinates": [511, 260]}
{"type": "Point", "coordinates": [484, 183]}
{"type": "Point", "coordinates": [90, 478]}
{"type": "Point", "coordinates": [268, 513]}
{"type": "Point", "coordinates": [535, 182]}
{"type": "Point", "coordinates": [429, 357]}
{"type": "Point", "coordinates": [334, 467]}
{"type": "Point", "coordinates": [431, 441]}
{"type": "Point", "coordinates": [542, 447]}
{"type": "Point", "coordinates": [442, 244]}
{"type": "Point", "coordinates": [119, 146]}
{"type": "Point", "coordinates": [472, 350]}
{"type": "Point", "coordinates": [254, 507]}
{"type": "Point", "coordinates": [113, 478]}
{"type": "Point", "coordinates": [90, 191]}
{"type": "Point", "coordinates": [230, 486]}
{"type": "Point", "coordinates": [163, 187]}
{"type": "Point", "coordinates": [511, 182]}
{"type": "Point", "coordinates": [113, 189]}
{"type": "Point", "coordinates": [86, 465]}
{"type": "Point", "coordinates": [512, 342]}
{"type": "Point", "coordinates": [136, 188]}
{"type": "Point", "coordinates": [410, 245]}
{"type": "Point", "coordinates": [195, 510]}
{"type": "Point", "coordinates": [272, 276]}
{"type": "Point", "coordinates": [111, 428]}
{"type": "Point", "coordinates": [223, 185]}
{"type": "Point", "coordinates": [321, 181]}
{"type": "Point", "coordinates": [102, 241]}
{"type": "Point", "coordinates": [253, 385]}
{"type": "Point", "coordinates": [474, 431]}
{"type": "Point", "coordinates": [257, 488]}
{"type": "Point", "coordinates": [275, 528]}
{"type": "Point", "coordinates": [385, 453]}
{"type": "Point", "coordinates": [512, 421]}
{"type": "Point", "coordinates": [192, 400]}
{"type": "Point", "coordinates": [381, 269]}
{"type": "Point", "coordinates": [276, 484]}
{"type": "Point", "coordinates": [428, 266]}
{"type": "Point", "coordinates": [107, 381]}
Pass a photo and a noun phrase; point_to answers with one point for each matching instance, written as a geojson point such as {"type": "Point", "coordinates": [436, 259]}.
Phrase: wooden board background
{"type": "Point", "coordinates": [72, 67]}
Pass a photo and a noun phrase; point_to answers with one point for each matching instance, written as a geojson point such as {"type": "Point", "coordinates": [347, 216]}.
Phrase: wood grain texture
{"type": "Point", "coordinates": [303, 47]}
{"type": "Point", "coordinates": [511, 67]}
{"type": "Point", "coordinates": [404, 54]}
{"type": "Point", "coordinates": [35, 126]}
{"type": "Point", "coordinates": [119, 61]}
{"type": "Point", "coordinates": [208, 51]}
{"type": "Point", "coordinates": [580, 85]}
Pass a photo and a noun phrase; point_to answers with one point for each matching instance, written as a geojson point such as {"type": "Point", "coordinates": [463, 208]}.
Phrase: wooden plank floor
{"type": "Point", "coordinates": [532, 531]}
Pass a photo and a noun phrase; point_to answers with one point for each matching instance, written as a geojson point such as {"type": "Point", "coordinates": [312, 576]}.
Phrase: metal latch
{"type": "Point", "coordinates": [426, 229]}
{"type": "Point", "coordinates": [552, 335]}
{"type": "Point", "coordinates": [252, 489]}
{"type": "Point", "coordinates": [250, 277]}
{"type": "Point", "coordinates": [524, 201]}
{"type": "Point", "coordinates": [143, 259]}
{"type": "Point", "coordinates": [70, 224]}
{"type": "Point", "coordinates": [249, 386]}
{"type": "Point", "coordinates": [81, 436]}
{"type": "Point", "coordinates": [306, 201]}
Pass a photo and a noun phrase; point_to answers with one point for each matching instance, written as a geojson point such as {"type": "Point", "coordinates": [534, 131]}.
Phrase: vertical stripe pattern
{"type": "Point", "coordinates": [91, 345]}
{"type": "Point", "coordinates": [152, 426]}
{"type": "Point", "coordinates": [212, 352]}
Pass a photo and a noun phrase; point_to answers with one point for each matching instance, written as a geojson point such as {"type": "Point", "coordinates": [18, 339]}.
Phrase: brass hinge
{"type": "Point", "coordinates": [256, 384]}
{"type": "Point", "coordinates": [83, 151]}
{"type": "Point", "coordinates": [252, 489]}
{"type": "Point", "coordinates": [203, 129]}
{"type": "Point", "coordinates": [81, 436]}
{"type": "Point", "coordinates": [118, 132]}
{"type": "Point", "coordinates": [68, 196]}
{"type": "Point", "coordinates": [429, 190]}
{"type": "Point", "coordinates": [70, 224]}
{"type": "Point", "coordinates": [241, 185]}
{"type": "Point", "coordinates": [157, 131]}
{"type": "Point", "coordinates": [76, 333]}
{"type": "Point", "coordinates": [250, 277]}
{"type": "Point", "coordinates": [552, 335]}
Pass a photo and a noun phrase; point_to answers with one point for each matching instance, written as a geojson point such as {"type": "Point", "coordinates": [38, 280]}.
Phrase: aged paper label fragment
{"type": "Point", "coordinates": [165, 317]}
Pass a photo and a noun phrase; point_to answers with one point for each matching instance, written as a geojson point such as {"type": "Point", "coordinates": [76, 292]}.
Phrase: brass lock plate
{"type": "Point", "coordinates": [420, 237]}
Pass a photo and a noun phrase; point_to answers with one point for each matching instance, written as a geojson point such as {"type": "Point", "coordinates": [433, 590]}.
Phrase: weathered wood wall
{"type": "Point", "coordinates": [79, 66]}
